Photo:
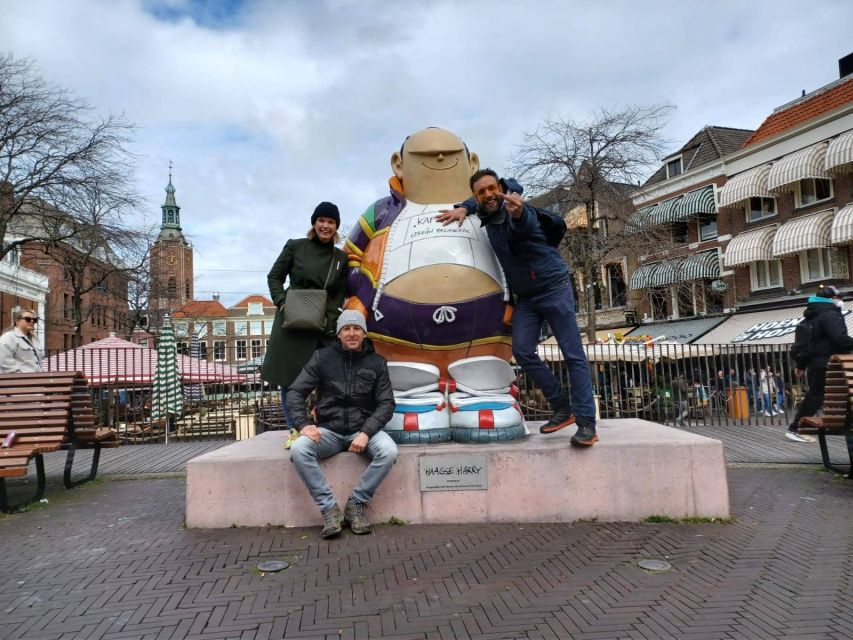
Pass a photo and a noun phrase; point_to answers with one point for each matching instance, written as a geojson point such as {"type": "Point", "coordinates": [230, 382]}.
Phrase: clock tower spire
{"type": "Point", "coordinates": [171, 258]}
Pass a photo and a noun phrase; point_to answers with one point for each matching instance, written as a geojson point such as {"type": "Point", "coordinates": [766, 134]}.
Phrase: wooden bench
{"type": "Point", "coordinates": [837, 419]}
{"type": "Point", "coordinates": [48, 412]}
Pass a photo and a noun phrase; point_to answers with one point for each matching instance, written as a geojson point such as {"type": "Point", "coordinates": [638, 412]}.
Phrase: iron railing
{"type": "Point", "coordinates": [663, 383]}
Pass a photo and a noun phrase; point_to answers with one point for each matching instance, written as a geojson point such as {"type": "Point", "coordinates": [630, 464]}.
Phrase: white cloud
{"type": "Point", "coordinates": [267, 108]}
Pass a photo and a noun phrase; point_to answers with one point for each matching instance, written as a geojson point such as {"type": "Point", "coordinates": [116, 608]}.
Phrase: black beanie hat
{"type": "Point", "coordinates": [828, 291]}
{"type": "Point", "coordinates": [326, 210]}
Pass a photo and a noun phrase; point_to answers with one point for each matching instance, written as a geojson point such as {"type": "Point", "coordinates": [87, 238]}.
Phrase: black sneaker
{"type": "Point", "coordinates": [333, 519]}
{"type": "Point", "coordinates": [585, 437]}
{"type": "Point", "coordinates": [561, 419]}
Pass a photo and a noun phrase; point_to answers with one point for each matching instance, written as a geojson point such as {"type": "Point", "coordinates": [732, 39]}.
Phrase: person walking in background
{"type": "Point", "coordinates": [768, 391]}
{"type": "Point", "coordinates": [821, 334]}
{"type": "Point", "coordinates": [780, 390]}
{"type": "Point", "coordinates": [19, 349]}
{"type": "Point", "coordinates": [313, 262]}
{"type": "Point", "coordinates": [679, 399]}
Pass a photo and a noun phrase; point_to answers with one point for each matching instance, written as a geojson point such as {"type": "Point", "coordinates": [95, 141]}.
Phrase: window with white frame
{"type": "Point", "coordinates": [765, 274]}
{"type": "Point", "coordinates": [202, 350]}
{"type": "Point", "coordinates": [817, 264]}
{"type": "Point", "coordinates": [219, 328]}
{"type": "Point", "coordinates": [200, 329]}
{"type": "Point", "coordinates": [257, 328]}
{"type": "Point", "coordinates": [256, 309]}
{"type": "Point", "coordinates": [760, 208]}
{"type": "Point", "coordinates": [812, 190]}
{"type": "Point", "coordinates": [180, 328]}
{"type": "Point", "coordinates": [241, 349]}
{"type": "Point", "coordinates": [268, 328]}
{"type": "Point", "coordinates": [241, 328]}
{"type": "Point", "coordinates": [673, 167]}
{"type": "Point", "coordinates": [183, 348]}
{"type": "Point", "coordinates": [257, 350]}
{"type": "Point", "coordinates": [707, 228]}
{"type": "Point", "coordinates": [219, 350]}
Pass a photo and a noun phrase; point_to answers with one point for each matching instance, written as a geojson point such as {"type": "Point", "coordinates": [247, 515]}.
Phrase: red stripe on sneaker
{"type": "Point", "coordinates": [410, 422]}
{"type": "Point", "coordinates": [487, 419]}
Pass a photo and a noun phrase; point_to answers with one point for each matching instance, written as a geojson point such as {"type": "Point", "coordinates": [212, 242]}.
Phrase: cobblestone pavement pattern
{"type": "Point", "coordinates": [112, 560]}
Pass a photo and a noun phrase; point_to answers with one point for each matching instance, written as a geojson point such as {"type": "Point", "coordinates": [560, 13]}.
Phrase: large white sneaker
{"type": "Point", "coordinates": [421, 415]}
{"type": "Point", "coordinates": [483, 407]}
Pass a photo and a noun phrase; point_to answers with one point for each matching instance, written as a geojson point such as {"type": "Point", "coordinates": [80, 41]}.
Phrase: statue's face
{"type": "Point", "coordinates": [434, 167]}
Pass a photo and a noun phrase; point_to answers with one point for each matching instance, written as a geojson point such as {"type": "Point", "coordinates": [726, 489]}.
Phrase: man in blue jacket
{"type": "Point", "coordinates": [539, 277]}
{"type": "Point", "coordinates": [821, 334]}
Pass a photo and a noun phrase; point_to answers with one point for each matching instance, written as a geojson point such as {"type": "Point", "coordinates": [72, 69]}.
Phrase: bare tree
{"type": "Point", "coordinates": [99, 255]}
{"type": "Point", "coordinates": [52, 154]}
{"type": "Point", "coordinates": [588, 170]}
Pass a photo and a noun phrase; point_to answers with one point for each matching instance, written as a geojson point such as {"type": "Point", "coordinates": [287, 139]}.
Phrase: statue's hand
{"type": "Point", "coordinates": [446, 216]}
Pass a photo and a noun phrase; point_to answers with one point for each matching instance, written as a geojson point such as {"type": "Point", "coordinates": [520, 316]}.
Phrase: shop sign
{"type": "Point", "coordinates": [772, 329]}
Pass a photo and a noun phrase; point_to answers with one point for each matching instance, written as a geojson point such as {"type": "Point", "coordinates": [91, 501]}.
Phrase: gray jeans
{"type": "Point", "coordinates": [306, 454]}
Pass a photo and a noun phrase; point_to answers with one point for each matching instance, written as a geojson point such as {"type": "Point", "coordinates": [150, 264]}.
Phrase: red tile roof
{"type": "Point", "coordinates": [245, 301]}
{"type": "Point", "coordinates": [803, 110]}
{"type": "Point", "coordinates": [202, 309]}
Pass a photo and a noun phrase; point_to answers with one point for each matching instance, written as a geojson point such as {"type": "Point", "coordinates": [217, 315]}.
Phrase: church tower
{"type": "Point", "coordinates": [171, 259]}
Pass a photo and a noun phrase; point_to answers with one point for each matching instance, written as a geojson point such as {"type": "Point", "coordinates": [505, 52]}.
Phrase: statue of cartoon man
{"type": "Point", "coordinates": [432, 294]}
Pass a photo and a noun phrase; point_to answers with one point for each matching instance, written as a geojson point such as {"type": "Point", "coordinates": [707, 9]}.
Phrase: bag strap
{"type": "Point", "coordinates": [331, 262]}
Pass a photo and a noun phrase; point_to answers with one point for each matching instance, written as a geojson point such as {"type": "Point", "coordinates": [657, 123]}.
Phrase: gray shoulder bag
{"type": "Point", "coordinates": [305, 309]}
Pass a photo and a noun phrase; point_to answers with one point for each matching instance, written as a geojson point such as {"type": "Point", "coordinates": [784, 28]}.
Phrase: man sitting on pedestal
{"type": "Point", "coordinates": [354, 402]}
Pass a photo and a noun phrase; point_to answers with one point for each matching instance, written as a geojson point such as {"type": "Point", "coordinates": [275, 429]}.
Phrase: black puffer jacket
{"type": "Point", "coordinates": [829, 331]}
{"type": "Point", "coordinates": [353, 390]}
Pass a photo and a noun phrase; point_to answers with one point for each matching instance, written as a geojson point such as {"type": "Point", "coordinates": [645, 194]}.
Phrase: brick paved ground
{"type": "Point", "coordinates": [112, 560]}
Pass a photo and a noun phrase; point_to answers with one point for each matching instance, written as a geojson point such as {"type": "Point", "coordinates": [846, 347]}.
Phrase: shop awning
{"type": "Point", "coordinates": [642, 277]}
{"type": "Point", "coordinates": [682, 331]}
{"type": "Point", "coordinates": [668, 272]}
{"type": "Point", "coordinates": [839, 154]}
{"type": "Point", "coordinates": [752, 246]}
{"type": "Point", "coordinates": [701, 266]}
{"type": "Point", "coordinates": [698, 202]}
{"type": "Point", "coordinates": [640, 219]}
{"type": "Point", "coordinates": [842, 226]}
{"type": "Point", "coordinates": [666, 211]}
{"type": "Point", "coordinates": [773, 326]}
{"type": "Point", "coordinates": [801, 234]}
{"type": "Point", "coordinates": [800, 165]}
{"type": "Point", "coordinates": [749, 184]}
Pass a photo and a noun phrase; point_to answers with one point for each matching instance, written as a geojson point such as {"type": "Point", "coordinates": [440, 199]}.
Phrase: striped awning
{"type": "Point", "coordinates": [801, 234]}
{"type": "Point", "coordinates": [640, 219]}
{"type": "Point", "coordinates": [666, 211]}
{"type": "Point", "coordinates": [839, 154]}
{"type": "Point", "coordinates": [701, 266]}
{"type": "Point", "coordinates": [746, 185]}
{"type": "Point", "coordinates": [842, 226]}
{"type": "Point", "coordinates": [752, 246]}
{"type": "Point", "coordinates": [698, 202]}
{"type": "Point", "coordinates": [642, 277]}
{"type": "Point", "coordinates": [789, 170]}
{"type": "Point", "coordinates": [667, 273]}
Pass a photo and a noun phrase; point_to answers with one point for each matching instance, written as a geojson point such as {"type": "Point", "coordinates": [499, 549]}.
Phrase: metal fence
{"type": "Point", "coordinates": [671, 384]}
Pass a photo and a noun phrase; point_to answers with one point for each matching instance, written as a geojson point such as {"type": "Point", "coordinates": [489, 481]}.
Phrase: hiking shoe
{"type": "Point", "coordinates": [585, 437]}
{"type": "Point", "coordinates": [355, 518]}
{"type": "Point", "coordinates": [561, 419]}
{"type": "Point", "coordinates": [332, 520]}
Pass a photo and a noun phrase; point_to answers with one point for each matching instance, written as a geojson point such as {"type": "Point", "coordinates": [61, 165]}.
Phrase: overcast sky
{"type": "Point", "coordinates": [268, 107]}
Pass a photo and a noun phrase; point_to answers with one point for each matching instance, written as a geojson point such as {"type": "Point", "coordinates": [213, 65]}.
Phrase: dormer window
{"type": "Point", "coordinates": [256, 309]}
{"type": "Point", "coordinates": [673, 167]}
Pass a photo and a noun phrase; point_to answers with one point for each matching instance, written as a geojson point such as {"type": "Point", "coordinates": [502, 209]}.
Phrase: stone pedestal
{"type": "Point", "coordinates": [638, 469]}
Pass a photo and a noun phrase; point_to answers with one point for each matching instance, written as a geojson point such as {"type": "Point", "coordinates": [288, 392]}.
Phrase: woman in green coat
{"type": "Point", "coordinates": [310, 263]}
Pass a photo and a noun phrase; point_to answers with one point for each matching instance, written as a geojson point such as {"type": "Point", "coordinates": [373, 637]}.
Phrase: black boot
{"type": "Point", "coordinates": [561, 419]}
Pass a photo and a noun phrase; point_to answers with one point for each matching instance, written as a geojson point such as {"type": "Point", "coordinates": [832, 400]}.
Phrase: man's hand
{"type": "Point", "coordinates": [514, 203]}
{"type": "Point", "coordinates": [446, 216]}
{"type": "Point", "coordinates": [799, 372]}
{"type": "Point", "coordinates": [359, 442]}
{"type": "Point", "coordinates": [311, 431]}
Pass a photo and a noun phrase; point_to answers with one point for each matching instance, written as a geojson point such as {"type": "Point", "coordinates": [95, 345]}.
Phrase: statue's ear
{"type": "Point", "coordinates": [397, 164]}
{"type": "Point", "coordinates": [474, 161]}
